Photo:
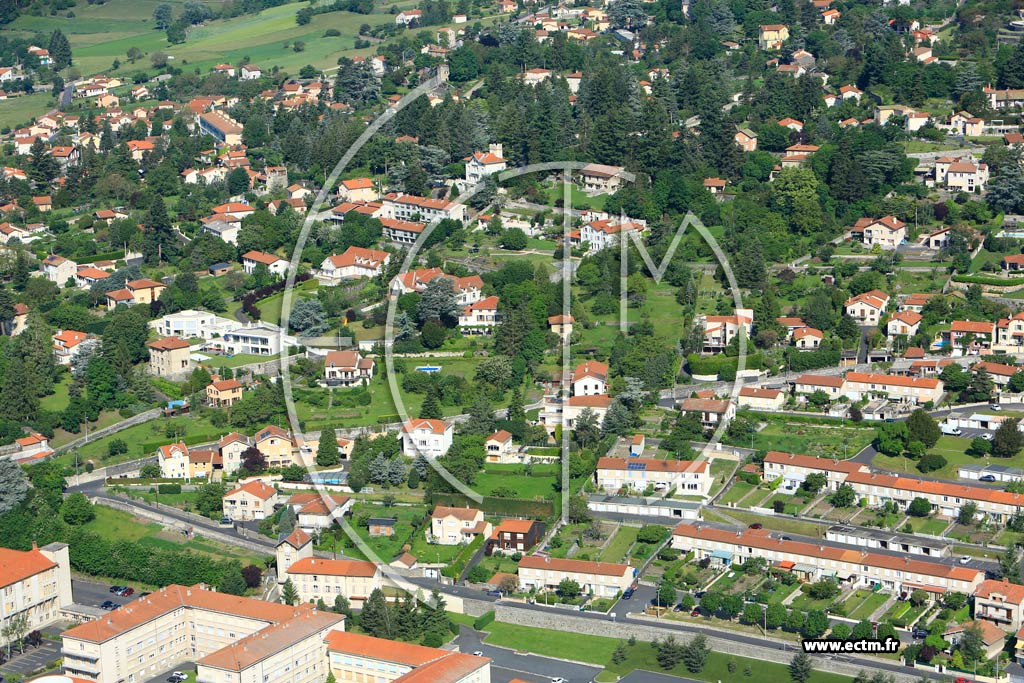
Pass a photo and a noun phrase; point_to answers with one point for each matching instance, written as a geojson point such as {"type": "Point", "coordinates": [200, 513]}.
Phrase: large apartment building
{"type": "Point", "coordinates": [35, 584]}
{"type": "Point", "coordinates": [353, 656]}
{"type": "Point", "coordinates": [813, 562]}
{"type": "Point", "coordinates": [174, 625]}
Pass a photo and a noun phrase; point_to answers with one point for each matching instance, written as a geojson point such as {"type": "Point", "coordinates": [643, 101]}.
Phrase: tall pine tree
{"type": "Point", "coordinates": [159, 243]}
{"type": "Point", "coordinates": [60, 50]}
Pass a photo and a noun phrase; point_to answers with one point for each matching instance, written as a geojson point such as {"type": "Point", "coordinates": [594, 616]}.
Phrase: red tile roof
{"type": "Point", "coordinates": [168, 344]}
{"type": "Point", "coordinates": [256, 487]}
{"type": "Point", "coordinates": [18, 565]}
{"type": "Point", "coordinates": [574, 566]}
{"type": "Point", "coordinates": [314, 565]}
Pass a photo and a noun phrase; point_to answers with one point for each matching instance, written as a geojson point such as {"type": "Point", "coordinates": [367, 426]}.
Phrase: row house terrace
{"type": "Point", "coordinates": [946, 499]}
{"type": "Point", "coordinates": [793, 469]}
{"type": "Point", "coordinates": [813, 562]}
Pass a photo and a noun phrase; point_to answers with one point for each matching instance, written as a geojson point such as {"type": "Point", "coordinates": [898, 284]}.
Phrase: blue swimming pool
{"type": "Point", "coordinates": [429, 368]}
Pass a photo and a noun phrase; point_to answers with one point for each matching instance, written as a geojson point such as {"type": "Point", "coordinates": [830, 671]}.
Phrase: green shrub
{"type": "Point", "coordinates": [483, 621]}
{"type": "Point", "coordinates": [168, 488]}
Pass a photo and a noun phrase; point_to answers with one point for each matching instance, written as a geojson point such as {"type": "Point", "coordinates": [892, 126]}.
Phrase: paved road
{"type": "Point", "coordinates": [526, 667]}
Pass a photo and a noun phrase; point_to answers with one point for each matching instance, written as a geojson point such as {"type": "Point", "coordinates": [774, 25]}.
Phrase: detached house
{"type": "Point", "coordinates": [720, 330]}
{"type": "Point", "coordinates": [275, 264]}
{"type": "Point", "coordinates": [515, 536]}
{"type": "Point", "coordinates": [867, 308]}
{"type": "Point", "coordinates": [250, 501]}
{"type": "Point", "coordinates": [905, 323]}
{"type": "Point", "coordinates": [355, 263]}
{"type": "Point", "coordinates": [601, 179]}
{"type": "Point", "coordinates": [887, 232]}
{"type": "Point", "coordinates": [170, 357]}
{"type": "Point", "coordinates": [772, 36]}
{"type": "Point", "coordinates": [455, 526]}
{"type": "Point", "coordinates": [223, 393]}
{"type": "Point", "coordinates": [432, 438]}
{"type": "Point", "coordinates": [347, 369]}
{"type": "Point", "coordinates": [712, 412]}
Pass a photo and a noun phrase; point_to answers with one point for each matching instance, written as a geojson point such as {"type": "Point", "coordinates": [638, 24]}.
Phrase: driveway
{"type": "Point", "coordinates": [506, 664]}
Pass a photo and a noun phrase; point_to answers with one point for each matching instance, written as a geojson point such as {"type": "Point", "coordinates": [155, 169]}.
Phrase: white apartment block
{"type": "Point", "coordinates": [35, 584]}
{"type": "Point", "coordinates": [408, 207]}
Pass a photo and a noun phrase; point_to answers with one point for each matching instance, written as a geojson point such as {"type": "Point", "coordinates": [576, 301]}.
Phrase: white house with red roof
{"type": "Point", "coordinates": [887, 232]}
{"type": "Point", "coordinates": [720, 330]}
{"type": "Point", "coordinates": [36, 584]}
{"type": "Point", "coordinates": [905, 323]}
{"type": "Point", "coordinates": [479, 165]}
{"type": "Point", "coordinates": [429, 437]}
{"type": "Point", "coordinates": [67, 344]}
{"type": "Point", "coordinates": [347, 369]}
{"type": "Point", "coordinates": [867, 308]}
{"type": "Point", "coordinates": [35, 446]}
{"type": "Point", "coordinates": [807, 338]}
{"type": "Point", "coordinates": [480, 317]}
{"type": "Point", "coordinates": [601, 234]}
{"type": "Point", "coordinates": [455, 526]}
{"type": "Point", "coordinates": [275, 264]}
{"type": "Point", "coordinates": [255, 499]}
{"type": "Point", "coordinates": [355, 263]}
{"type": "Point", "coordinates": [499, 448]}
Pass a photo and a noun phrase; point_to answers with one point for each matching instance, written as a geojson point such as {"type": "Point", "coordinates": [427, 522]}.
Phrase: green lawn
{"type": "Point", "coordinates": [579, 199]}
{"type": "Point", "coordinates": [822, 440]}
{"type": "Point", "coordinates": [116, 525]}
{"type": "Point", "coordinates": [777, 523]}
{"type": "Point", "coordinates": [432, 552]}
{"type": "Point", "coordinates": [17, 111]}
{"type": "Point", "coordinates": [863, 603]}
{"type": "Point", "coordinates": [525, 487]}
{"type": "Point", "coordinates": [619, 546]}
{"type": "Point", "coordinates": [58, 400]}
{"type": "Point", "coordinates": [736, 493]}
{"type": "Point", "coordinates": [719, 667]}
{"type": "Point", "coordinates": [191, 430]}
{"type": "Point", "coordinates": [598, 650]}
{"type": "Point", "coordinates": [931, 526]}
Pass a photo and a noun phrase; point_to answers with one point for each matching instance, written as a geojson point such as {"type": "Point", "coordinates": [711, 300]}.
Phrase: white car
{"type": "Point", "coordinates": [559, 680]}
{"type": "Point", "coordinates": [478, 653]}
{"type": "Point", "coordinates": [965, 560]}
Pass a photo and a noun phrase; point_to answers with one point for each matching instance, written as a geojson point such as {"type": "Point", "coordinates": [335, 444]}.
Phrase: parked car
{"type": "Point", "coordinates": [995, 406]}
{"type": "Point", "coordinates": [919, 633]}
{"type": "Point", "coordinates": [109, 605]}
{"type": "Point", "coordinates": [126, 591]}
{"type": "Point", "coordinates": [965, 560]}
{"type": "Point", "coordinates": [756, 525]}
{"type": "Point", "coordinates": [963, 680]}
{"type": "Point", "coordinates": [695, 612]}
{"type": "Point", "coordinates": [988, 437]}
{"type": "Point", "coordinates": [226, 521]}
{"type": "Point", "coordinates": [177, 677]}
{"type": "Point", "coordinates": [478, 653]}
{"type": "Point", "coordinates": [627, 594]}
{"type": "Point", "coordinates": [494, 593]}
{"type": "Point", "coordinates": [114, 589]}
{"type": "Point", "coordinates": [559, 679]}
{"type": "Point", "coordinates": [987, 477]}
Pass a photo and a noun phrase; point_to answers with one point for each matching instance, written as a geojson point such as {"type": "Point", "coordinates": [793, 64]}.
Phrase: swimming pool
{"type": "Point", "coordinates": [429, 368]}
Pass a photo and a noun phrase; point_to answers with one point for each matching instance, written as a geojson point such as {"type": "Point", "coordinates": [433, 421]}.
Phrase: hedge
{"type": "Point", "coordinates": [994, 281]}
{"type": "Point", "coordinates": [723, 366]}
{"type": "Point", "coordinates": [168, 488]}
{"type": "Point", "coordinates": [519, 507]}
{"type": "Point", "coordinates": [483, 621]}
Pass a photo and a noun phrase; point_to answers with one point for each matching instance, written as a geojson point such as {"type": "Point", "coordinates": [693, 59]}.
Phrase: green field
{"type": "Point", "coordinates": [821, 440]}
{"type": "Point", "coordinates": [116, 525]}
{"type": "Point", "coordinates": [737, 492]}
{"type": "Point", "coordinates": [953, 449]}
{"type": "Point", "coordinates": [525, 487]}
{"type": "Point", "coordinates": [100, 33]}
{"type": "Point", "coordinates": [188, 429]}
{"type": "Point", "coordinates": [20, 110]}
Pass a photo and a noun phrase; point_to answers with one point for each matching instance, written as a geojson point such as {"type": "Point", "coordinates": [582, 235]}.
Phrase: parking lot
{"type": "Point", "coordinates": [94, 594]}
{"type": "Point", "coordinates": [34, 659]}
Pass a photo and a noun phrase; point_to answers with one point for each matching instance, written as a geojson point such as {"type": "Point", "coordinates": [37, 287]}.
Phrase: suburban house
{"type": "Point", "coordinates": [812, 561]}
{"type": "Point", "coordinates": [58, 269]}
{"type": "Point", "coordinates": [431, 438]}
{"type": "Point", "coordinates": [992, 638]}
{"type": "Point", "coordinates": [761, 399]}
{"type": "Point", "coordinates": [252, 500]}
{"type": "Point", "coordinates": [173, 459]}
{"type": "Point", "coordinates": [316, 512]}
{"type": "Point", "coordinates": [275, 264]}
{"type": "Point", "coordinates": [347, 368]}
{"type": "Point", "coordinates": [561, 325]}
{"type": "Point", "coordinates": [686, 477]}
{"type": "Point", "coordinates": [223, 393]}
{"type": "Point", "coordinates": [712, 412]}
{"type": "Point", "coordinates": [1010, 334]}
{"type": "Point", "coordinates": [454, 526]}
{"type": "Point", "coordinates": [479, 165]}
{"type": "Point", "coordinates": [887, 232]}
{"type": "Point", "coordinates": [833, 385]}
{"type": "Point", "coordinates": [67, 344]}
{"type": "Point", "coordinates": [480, 317]}
{"type": "Point", "coordinates": [170, 357]}
{"type": "Point", "coordinates": [276, 445]}
{"type": "Point", "coordinates": [515, 536]}
{"type": "Point", "coordinates": [867, 308]}
{"type": "Point", "coordinates": [498, 448]}
{"type": "Point", "coordinates": [144, 290]}
{"type": "Point", "coordinates": [358, 190]}
{"type": "Point", "coordinates": [807, 338]}
{"type": "Point", "coordinates": [601, 234]}
{"type": "Point", "coordinates": [32, 447]}
{"type": "Point", "coordinates": [356, 262]}
{"type": "Point", "coordinates": [970, 335]}
{"type": "Point", "coordinates": [720, 330]}
{"type": "Point", "coordinates": [904, 323]}
{"type": "Point", "coordinates": [231, 447]}
{"type": "Point", "coordinates": [1000, 602]}
{"type": "Point", "coordinates": [600, 579]}
{"type": "Point", "coordinates": [590, 378]}
{"type": "Point", "coordinates": [746, 139]}
{"type": "Point", "coordinates": [772, 36]}
{"type": "Point", "coordinates": [600, 179]}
